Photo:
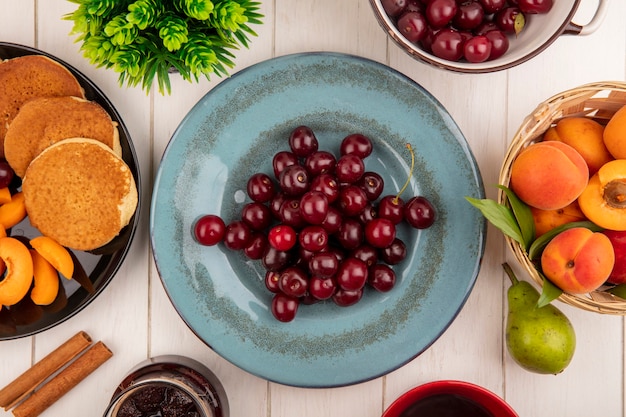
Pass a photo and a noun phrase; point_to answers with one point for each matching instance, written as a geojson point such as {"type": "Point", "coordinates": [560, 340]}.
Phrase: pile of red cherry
{"type": "Point", "coordinates": [320, 226]}
{"type": "Point", "coordinates": [474, 30]}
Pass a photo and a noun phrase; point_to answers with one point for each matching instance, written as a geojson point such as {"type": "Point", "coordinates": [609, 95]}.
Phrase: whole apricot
{"type": "Point", "coordinates": [603, 200]}
{"type": "Point", "coordinates": [615, 134]}
{"type": "Point", "coordinates": [586, 136]}
{"type": "Point", "coordinates": [546, 220]}
{"type": "Point", "coordinates": [548, 175]}
{"type": "Point", "coordinates": [578, 260]}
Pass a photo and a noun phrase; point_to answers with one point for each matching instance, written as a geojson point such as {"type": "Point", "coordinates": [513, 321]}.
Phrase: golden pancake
{"type": "Point", "coordinates": [27, 77]}
{"type": "Point", "coordinates": [44, 121]}
{"type": "Point", "coordinates": [79, 193]}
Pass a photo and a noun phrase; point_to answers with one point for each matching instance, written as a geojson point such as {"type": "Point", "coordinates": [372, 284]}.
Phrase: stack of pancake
{"type": "Point", "coordinates": [77, 189]}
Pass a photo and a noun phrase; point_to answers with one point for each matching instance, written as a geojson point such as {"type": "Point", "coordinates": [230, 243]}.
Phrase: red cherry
{"type": "Point", "coordinates": [381, 277]}
{"type": "Point", "coordinates": [209, 230]}
{"type": "Point", "coordinates": [391, 207]}
{"type": "Point", "coordinates": [257, 246]}
{"type": "Point", "coordinates": [293, 281]}
{"type": "Point", "coordinates": [356, 144]}
{"type": "Point", "coordinates": [322, 288]}
{"type": "Point", "coordinates": [534, 6]}
{"type": "Point", "coordinates": [271, 281]}
{"type": "Point", "coordinates": [302, 141]}
{"type": "Point", "coordinates": [282, 160]}
{"type": "Point", "coordinates": [237, 235]}
{"type": "Point", "coordinates": [346, 298]}
{"type": "Point", "coordinates": [499, 43]}
{"type": "Point", "coordinates": [380, 232]}
{"type": "Point", "coordinates": [352, 274]}
{"type": "Point", "coordinates": [282, 237]}
{"type": "Point", "coordinates": [284, 307]}
{"type": "Point", "coordinates": [477, 49]}
{"type": "Point", "coordinates": [349, 168]}
{"type": "Point", "coordinates": [419, 212]}
{"type": "Point", "coordinates": [314, 207]}
{"type": "Point", "coordinates": [261, 188]}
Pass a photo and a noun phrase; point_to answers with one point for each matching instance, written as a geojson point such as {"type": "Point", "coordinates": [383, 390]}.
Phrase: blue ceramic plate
{"type": "Point", "coordinates": [232, 133]}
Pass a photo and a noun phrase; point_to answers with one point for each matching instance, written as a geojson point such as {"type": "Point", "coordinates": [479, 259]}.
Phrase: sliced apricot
{"type": "Point", "coordinates": [604, 199]}
{"type": "Point", "coordinates": [54, 253]}
{"type": "Point", "coordinates": [46, 280]}
{"type": "Point", "coordinates": [19, 274]}
{"type": "Point", "coordinates": [13, 212]}
{"type": "Point", "coordinates": [59, 303]}
{"type": "Point", "coordinates": [5, 195]}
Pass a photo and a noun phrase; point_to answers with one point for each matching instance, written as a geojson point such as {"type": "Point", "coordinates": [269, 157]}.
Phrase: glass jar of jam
{"type": "Point", "coordinates": [169, 386]}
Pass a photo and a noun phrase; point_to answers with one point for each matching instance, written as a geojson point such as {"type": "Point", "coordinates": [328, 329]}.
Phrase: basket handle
{"type": "Point", "coordinates": [591, 26]}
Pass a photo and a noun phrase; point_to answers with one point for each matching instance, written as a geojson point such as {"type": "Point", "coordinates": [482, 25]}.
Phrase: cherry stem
{"type": "Point", "coordinates": [408, 180]}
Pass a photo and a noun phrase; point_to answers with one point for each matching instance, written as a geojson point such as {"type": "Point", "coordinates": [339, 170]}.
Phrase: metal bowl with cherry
{"type": "Point", "coordinates": [480, 36]}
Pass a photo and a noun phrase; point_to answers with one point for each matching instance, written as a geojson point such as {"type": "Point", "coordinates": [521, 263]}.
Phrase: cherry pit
{"type": "Point", "coordinates": [320, 225]}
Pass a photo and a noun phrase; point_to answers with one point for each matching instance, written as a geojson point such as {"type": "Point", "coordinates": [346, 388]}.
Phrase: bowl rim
{"type": "Point", "coordinates": [488, 399]}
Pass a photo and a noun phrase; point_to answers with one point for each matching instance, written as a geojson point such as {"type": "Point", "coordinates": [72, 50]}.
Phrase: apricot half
{"type": "Point", "coordinates": [578, 260]}
{"type": "Point", "coordinates": [19, 273]}
{"type": "Point", "coordinates": [604, 199]}
{"type": "Point", "coordinates": [548, 175]}
{"type": "Point", "coordinates": [46, 280]}
{"type": "Point", "coordinates": [54, 253]}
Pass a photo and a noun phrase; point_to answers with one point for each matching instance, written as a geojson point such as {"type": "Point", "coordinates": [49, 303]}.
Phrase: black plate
{"type": "Point", "coordinates": [25, 318]}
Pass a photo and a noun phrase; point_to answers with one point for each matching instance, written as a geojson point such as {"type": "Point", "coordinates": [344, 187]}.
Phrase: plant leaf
{"type": "Point", "coordinates": [549, 292]}
{"type": "Point", "coordinates": [540, 243]}
{"type": "Point", "coordinates": [523, 215]}
{"type": "Point", "coordinates": [618, 290]}
{"type": "Point", "coordinates": [500, 216]}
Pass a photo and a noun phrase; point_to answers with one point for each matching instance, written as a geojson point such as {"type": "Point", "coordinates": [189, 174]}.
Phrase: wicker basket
{"type": "Point", "coordinates": [599, 101]}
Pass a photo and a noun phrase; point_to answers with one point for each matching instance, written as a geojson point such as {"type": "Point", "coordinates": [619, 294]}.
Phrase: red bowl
{"type": "Point", "coordinates": [487, 399]}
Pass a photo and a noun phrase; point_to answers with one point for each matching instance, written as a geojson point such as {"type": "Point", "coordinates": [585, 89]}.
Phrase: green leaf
{"type": "Point", "coordinates": [518, 23]}
{"type": "Point", "coordinates": [549, 292]}
{"type": "Point", "coordinates": [540, 243]}
{"type": "Point", "coordinates": [500, 216]}
{"type": "Point", "coordinates": [523, 215]}
{"type": "Point", "coordinates": [618, 290]}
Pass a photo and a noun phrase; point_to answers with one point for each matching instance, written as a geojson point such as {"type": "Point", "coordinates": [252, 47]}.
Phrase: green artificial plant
{"type": "Point", "coordinates": [147, 39]}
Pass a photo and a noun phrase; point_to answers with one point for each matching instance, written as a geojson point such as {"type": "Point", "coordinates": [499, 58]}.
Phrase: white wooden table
{"type": "Point", "coordinates": [134, 317]}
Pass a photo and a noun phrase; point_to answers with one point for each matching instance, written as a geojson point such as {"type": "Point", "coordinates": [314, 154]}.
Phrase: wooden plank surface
{"type": "Point", "coordinates": [136, 319]}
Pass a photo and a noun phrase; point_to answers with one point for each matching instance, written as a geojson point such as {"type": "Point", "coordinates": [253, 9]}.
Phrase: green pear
{"type": "Point", "coordinates": [539, 339]}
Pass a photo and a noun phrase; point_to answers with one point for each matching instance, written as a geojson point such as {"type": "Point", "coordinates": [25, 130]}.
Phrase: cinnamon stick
{"type": "Point", "coordinates": [64, 381]}
{"type": "Point", "coordinates": [24, 384]}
